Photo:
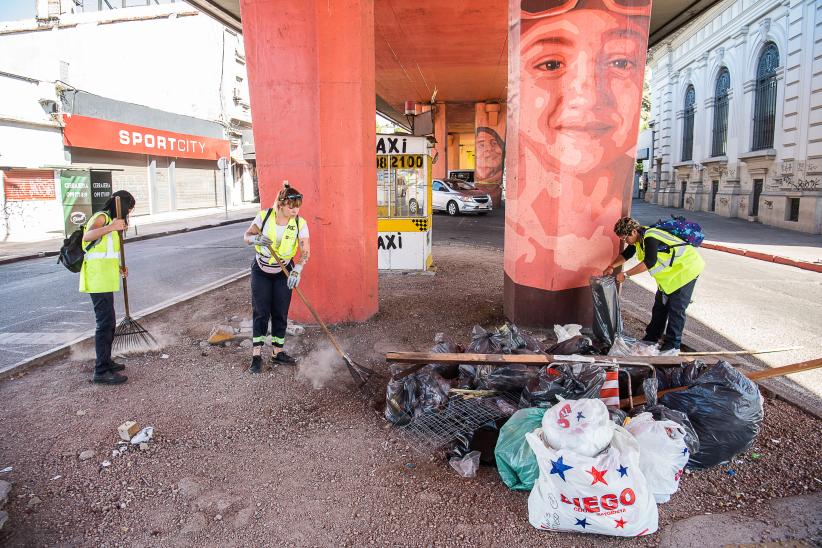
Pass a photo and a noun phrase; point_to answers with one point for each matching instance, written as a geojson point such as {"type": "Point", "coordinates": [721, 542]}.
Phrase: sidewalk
{"type": "Point", "coordinates": [142, 227]}
{"type": "Point", "coordinates": [744, 238]}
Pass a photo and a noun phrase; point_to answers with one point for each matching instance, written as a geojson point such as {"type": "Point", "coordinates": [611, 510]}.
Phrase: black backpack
{"type": "Point", "coordinates": [71, 253]}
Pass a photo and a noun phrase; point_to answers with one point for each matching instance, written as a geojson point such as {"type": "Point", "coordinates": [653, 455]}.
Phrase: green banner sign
{"type": "Point", "coordinates": [75, 191]}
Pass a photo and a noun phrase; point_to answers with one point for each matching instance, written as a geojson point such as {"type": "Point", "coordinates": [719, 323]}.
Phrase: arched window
{"type": "Point", "coordinates": [688, 125]}
{"type": "Point", "coordinates": [765, 100]}
{"type": "Point", "coordinates": [723, 84]}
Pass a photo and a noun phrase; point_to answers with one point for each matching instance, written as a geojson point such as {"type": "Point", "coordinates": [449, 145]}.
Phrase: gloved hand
{"type": "Point", "coordinates": [294, 277]}
{"type": "Point", "coordinates": [261, 240]}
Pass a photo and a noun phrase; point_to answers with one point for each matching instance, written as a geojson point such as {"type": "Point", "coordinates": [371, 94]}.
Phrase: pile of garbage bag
{"type": "Point", "coordinates": [589, 468]}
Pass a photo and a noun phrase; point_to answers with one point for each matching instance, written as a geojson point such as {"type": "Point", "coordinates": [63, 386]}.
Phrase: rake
{"type": "Point", "coordinates": [129, 336]}
{"type": "Point", "coordinates": [359, 373]}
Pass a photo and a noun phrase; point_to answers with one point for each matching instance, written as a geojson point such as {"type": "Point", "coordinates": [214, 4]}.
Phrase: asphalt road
{"type": "Point", "coordinates": [42, 307]}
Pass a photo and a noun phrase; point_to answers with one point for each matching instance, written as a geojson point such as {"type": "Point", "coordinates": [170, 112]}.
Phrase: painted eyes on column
{"type": "Point", "coordinates": [551, 65]}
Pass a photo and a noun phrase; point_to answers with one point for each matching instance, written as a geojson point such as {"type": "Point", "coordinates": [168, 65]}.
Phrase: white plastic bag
{"type": "Point", "coordinates": [582, 426]}
{"type": "Point", "coordinates": [606, 494]}
{"type": "Point", "coordinates": [619, 348]}
{"type": "Point", "coordinates": [662, 453]}
{"type": "Point", "coordinates": [467, 465]}
{"type": "Point", "coordinates": [643, 349]}
{"type": "Point", "coordinates": [567, 331]}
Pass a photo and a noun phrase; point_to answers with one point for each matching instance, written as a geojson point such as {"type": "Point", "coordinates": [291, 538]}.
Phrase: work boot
{"type": "Point", "coordinates": [256, 363]}
{"type": "Point", "coordinates": [109, 377]}
{"type": "Point", "coordinates": [114, 366]}
{"type": "Point", "coordinates": [282, 358]}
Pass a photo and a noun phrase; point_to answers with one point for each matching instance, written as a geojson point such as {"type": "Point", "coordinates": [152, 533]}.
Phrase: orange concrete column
{"type": "Point", "coordinates": [311, 76]}
{"type": "Point", "coordinates": [440, 169]}
{"type": "Point", "coordinates": [574, 92]}
{"type": "Point", "coordinates": [454, 151]}
{"type": "Point", "coordinates": [489, 124]}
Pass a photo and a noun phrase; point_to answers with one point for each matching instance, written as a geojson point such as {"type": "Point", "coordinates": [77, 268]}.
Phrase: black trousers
{"type": "Point", "coordinates": [104, 335]}
{"type": "Point", "coordinates": [669, 309]}
{"type": "Point", "coordinates": [270, 300]}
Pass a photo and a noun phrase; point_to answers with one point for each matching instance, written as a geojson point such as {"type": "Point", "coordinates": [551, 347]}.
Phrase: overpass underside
{"type": "Point", "coordinates": [550, 90]}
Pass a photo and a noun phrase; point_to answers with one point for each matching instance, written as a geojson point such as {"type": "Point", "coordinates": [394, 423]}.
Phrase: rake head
{"type": "Point", "coordinates": [131, 337]}
{"type": "Point", "coordinates": [359, 373]}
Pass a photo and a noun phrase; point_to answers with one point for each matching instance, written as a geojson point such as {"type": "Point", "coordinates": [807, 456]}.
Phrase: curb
{"type": "Point", "coordinates": [776, 387]}
{"type": "Point", "coordinates": [65, 349]}
{"type": "Point", "coordinates": [804, 265]}
{"type": "Point", "coordinates": [42, 254]}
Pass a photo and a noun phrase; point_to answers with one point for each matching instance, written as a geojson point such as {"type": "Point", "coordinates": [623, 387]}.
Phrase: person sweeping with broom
{"type": "Point", "coordinates": [100, 277]}
{"type": "Point", "coordinates": [282, 229]}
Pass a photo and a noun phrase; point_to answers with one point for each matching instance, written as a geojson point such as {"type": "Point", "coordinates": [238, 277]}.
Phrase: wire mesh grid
{"type": "Point", "coordinates": [436, 429]}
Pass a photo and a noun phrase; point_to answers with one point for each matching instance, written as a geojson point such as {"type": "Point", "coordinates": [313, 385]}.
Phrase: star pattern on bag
{"type": "Point", "coordinates": [582, 522]}
{"type": "Point", "coordinates": [598, 475]}
{"type": "Point", "coordinates": [620, 523]}
{"type": "Point", "coordinates": [685, 451]}
{"type": "Point", "coordinates": [558, 467]}
{"type": "Point", "coordinates": [678, 475]}
{"type": "Point", "coordinates": [580, 416]}
{"type": "Point", "coordinates": [623, 471]}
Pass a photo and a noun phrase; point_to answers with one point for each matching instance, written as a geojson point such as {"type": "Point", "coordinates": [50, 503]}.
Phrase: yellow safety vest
{"type": "Point", "coordinates": [287, 247]}
{"type": "Point", "coordinates": [677, 266]}
{"type": "Point", "coordinates": [101, 265]}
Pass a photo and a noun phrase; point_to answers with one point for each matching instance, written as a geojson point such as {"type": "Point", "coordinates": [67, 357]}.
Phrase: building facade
{"type": "Point", "coordinates": [737, 114]}
{"type": "Point", "coordinates": [147, 99]}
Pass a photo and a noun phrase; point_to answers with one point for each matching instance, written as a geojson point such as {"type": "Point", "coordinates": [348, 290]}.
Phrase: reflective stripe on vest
{"type": "Point", "coordinates": [676, 267]}
{"type": "Point", "coordinates": [287, 247]}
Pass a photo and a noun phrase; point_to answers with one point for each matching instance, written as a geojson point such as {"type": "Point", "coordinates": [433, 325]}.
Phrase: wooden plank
{"type": "Point", "coordinates": [753, 375]}
{"type": "Point", "coordinates": [532, 359]}
{"type": "Point", "coordinates": [741, 352]}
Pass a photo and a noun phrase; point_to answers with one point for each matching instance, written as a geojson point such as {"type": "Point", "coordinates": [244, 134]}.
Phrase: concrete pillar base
{"type": "Point", "coordinates": [534, 307]}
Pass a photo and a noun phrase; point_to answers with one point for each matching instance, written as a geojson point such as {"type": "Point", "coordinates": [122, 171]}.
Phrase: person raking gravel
{"type": "Point", "coordinates": [282, 229]}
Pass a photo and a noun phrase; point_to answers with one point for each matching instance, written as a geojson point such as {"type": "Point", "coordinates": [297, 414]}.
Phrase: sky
{"type": "Point", "coordinates": [14, 10]}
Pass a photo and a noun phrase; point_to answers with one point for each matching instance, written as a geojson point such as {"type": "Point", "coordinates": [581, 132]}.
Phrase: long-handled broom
{"type": "Point", "coordinates": [359, 373]}
{"type": "Point", "coordinates": [130, 336]}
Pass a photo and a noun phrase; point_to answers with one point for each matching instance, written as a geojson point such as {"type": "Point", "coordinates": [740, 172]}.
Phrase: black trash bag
{"type": "Point", "coordinates": [617, 416]}
{"type": "Point", "coordinates": [483, 439]}
{"type": "Point", "coordinates": [660, 413]}
{"type": "Point", "coordinates": [607, 315]}
{"type": "Point", "coordinates": [432, 391]}
{"type": "Point", "coordinates": [637, 374]}
{"type": "Point", "coordinates": [467, 376]}
{"type": "Point", "coordinates": [684, 375]}
{"type": "Point", "coordinates": [570, 381]}
{"type": "Point", "coordinates": [504, 378]}
{"type": "Point", "coordinates": [443, 344]}
{"type": "Point", "coordinates": [401, 400]}
{"type": "Point", "coordinates": [725, 408]}
{"type": "Point", "coordinates": [485, 342]}
{"type": "Point", "coordinates": [578, 344]}
{"type": "Point", "coordinates": [516, 340]}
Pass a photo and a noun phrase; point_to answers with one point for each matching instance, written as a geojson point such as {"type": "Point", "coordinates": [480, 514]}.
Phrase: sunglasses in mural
{"type": "Point", "coordinates": [536, 9]}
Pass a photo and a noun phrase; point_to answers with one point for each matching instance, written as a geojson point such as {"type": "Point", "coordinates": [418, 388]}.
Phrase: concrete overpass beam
{"type": "Point", "coordinates": [311, 75]}
{"type": "Point", "coordinates": [574, 91]}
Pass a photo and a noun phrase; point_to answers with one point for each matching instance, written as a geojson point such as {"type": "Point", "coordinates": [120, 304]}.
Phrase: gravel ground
{"type": "Point", "coordinates": [272, 460]}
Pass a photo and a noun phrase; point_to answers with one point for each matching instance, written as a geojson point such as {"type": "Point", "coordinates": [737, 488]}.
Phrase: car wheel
{"type": "Point", "coordinates": [453, 208]}
{"type": "Point", "coordinates": [413, 207]}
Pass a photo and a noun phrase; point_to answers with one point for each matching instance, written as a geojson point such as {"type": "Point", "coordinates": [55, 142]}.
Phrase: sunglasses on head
{"type": "Point", "coordinates": [536, 9]}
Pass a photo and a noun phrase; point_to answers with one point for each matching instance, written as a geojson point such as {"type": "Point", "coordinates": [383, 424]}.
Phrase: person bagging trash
{"type": "Point", "coordinates": [674, 264]}
{"type": "Point", "coordinates": [282, 229]}
{"type": "Point", "coordinates": [100, 277]}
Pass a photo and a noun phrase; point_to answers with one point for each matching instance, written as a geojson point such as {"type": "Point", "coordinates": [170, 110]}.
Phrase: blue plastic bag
{"type": "Point", "coordinates": [516, 462]}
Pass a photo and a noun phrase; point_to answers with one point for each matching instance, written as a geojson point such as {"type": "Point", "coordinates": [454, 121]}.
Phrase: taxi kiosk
{"type": "Point", "coordinates": [403, 203]}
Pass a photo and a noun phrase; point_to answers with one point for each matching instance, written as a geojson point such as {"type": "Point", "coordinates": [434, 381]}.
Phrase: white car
{"type": "Point", "coordinates": [455, 196]}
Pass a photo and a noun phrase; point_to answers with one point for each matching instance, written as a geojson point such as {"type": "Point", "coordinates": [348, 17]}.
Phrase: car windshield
{"type": "Point", "coordinates": [456, 184]}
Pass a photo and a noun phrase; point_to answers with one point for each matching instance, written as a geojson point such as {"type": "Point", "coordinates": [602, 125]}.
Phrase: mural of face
{"type": "Point", "coordinates": [582, 76]}
{"type": "Point", "coordinates": [490, 155]}
{"type": "Point", "coordinates": [577, 89]}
